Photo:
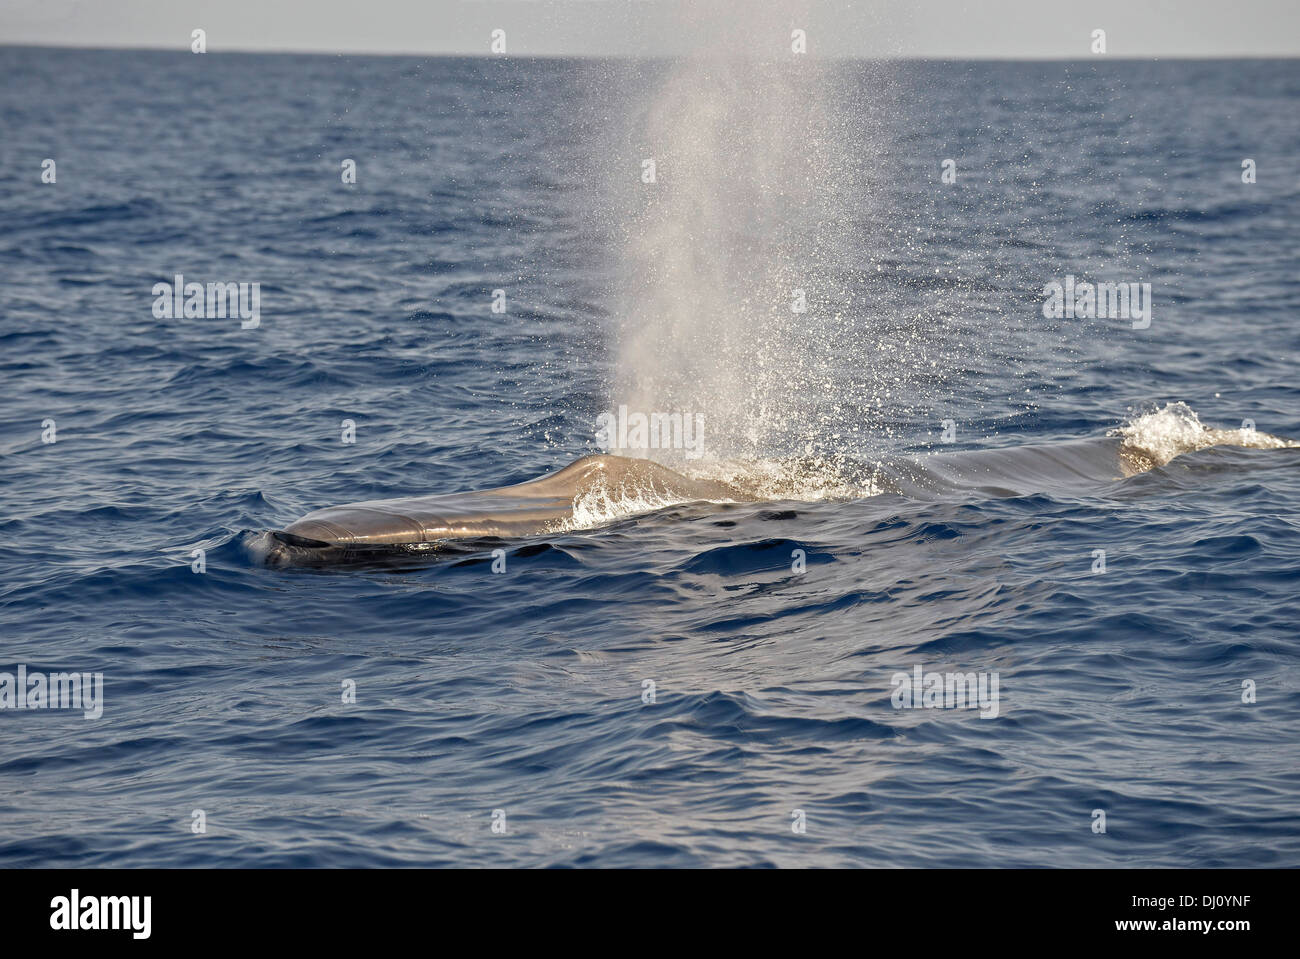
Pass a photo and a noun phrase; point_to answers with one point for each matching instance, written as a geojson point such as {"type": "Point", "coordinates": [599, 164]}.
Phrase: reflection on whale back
{"type": "Point", "coordinates": [1008, 471]}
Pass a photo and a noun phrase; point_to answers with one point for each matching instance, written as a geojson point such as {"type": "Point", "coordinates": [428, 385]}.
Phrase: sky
{"type": "Point", "coordinates": [1033, 29]}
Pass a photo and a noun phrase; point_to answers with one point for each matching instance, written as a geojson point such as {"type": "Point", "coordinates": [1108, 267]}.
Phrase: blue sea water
{"type": "Point", "coordinates": [522, 692]}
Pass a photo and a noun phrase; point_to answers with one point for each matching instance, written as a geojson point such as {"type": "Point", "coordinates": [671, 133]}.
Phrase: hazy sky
{"type": "Point", "coordinates": [944, 28]}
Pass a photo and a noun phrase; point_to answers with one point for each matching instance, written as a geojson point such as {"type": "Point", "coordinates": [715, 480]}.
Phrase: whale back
{"type": "Point", "coordinates": [596, 489]}
{"type": "Point", "coordinates": [519, 510]}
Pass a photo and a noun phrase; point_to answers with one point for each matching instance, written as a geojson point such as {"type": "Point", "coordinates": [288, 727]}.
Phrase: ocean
{"type": "Point", "coordinates": [652, 683]}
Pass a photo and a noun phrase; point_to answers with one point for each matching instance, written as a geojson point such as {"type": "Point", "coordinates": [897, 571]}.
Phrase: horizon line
{"type": "Point", "coordinates": [443, 54]}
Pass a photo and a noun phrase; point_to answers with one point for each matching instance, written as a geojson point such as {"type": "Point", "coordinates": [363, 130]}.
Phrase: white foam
{"type": "Point", "coordinates": [604, 503]}
{"type": "Point", "coordinates": [1175, 429]}
{"type": "Point", "coordinates": [808, 480]}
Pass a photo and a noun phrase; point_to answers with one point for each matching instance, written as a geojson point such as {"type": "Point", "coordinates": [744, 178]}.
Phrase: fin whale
{"type": "Point", "coordinates": [411, 524]}
{"type": "Point", "coordinates": [376, 529]}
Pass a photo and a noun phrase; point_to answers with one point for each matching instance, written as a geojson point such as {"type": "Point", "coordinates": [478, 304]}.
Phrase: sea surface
{"type": "Point", "coordinates": [680, 686]}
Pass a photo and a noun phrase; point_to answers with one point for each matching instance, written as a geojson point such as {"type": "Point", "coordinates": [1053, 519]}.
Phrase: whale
{"type": "Point", "coordinates": [371, 529]}
{"type": "Point", "coordinates": [381, 530]}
